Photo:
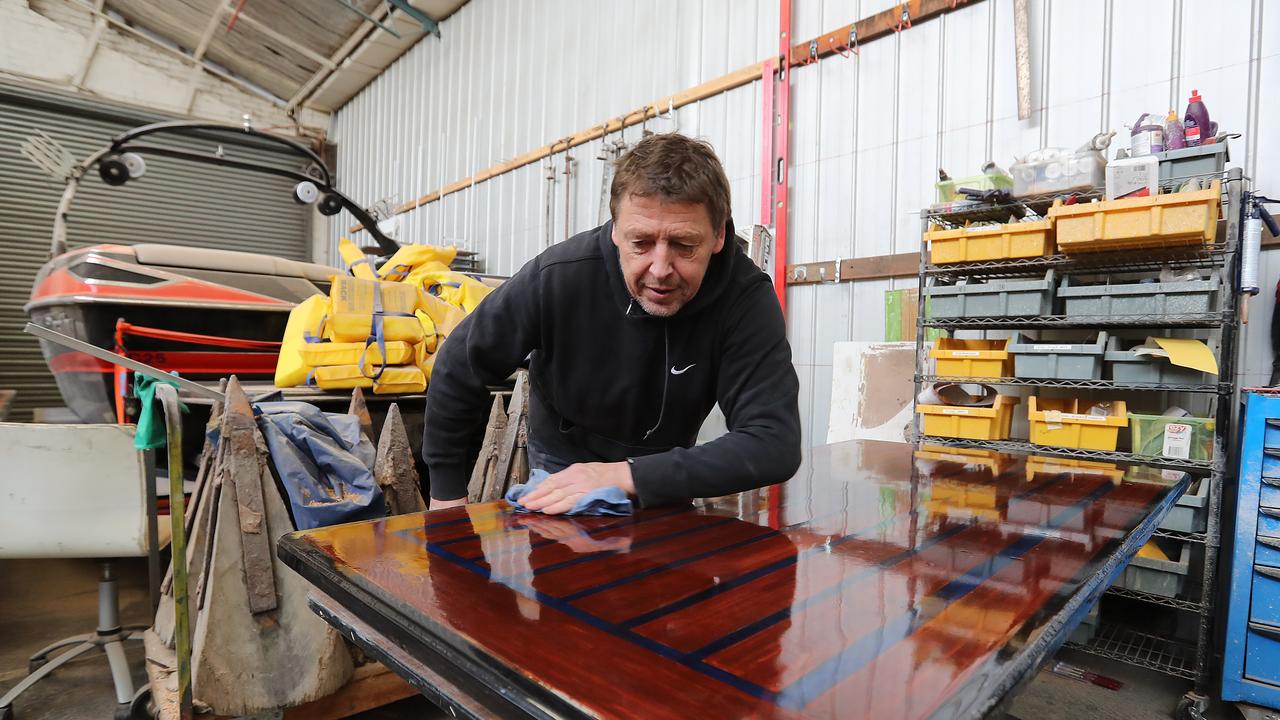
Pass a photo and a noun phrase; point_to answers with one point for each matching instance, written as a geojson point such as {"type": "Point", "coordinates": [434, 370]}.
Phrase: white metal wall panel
{"type": "Point", "coordinates": [868, 132]}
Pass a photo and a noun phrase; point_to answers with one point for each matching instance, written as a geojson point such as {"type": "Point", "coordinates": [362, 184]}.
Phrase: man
{"type": "Point", "coordinates": [634, 331]}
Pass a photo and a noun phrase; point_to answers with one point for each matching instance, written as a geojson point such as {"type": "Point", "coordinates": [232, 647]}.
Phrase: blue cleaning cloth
{"type": "Point", "coordinates": [605, 501]}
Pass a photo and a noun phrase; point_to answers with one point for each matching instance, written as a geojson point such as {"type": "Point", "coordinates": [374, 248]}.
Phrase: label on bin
{"type": "Point", "coordinates": [1056, 416]}
{"type": "Point", "coordinates": [1049, 348]}
{"type": "Point", "coordinates": [1177, 440]}
{"type": "Point", "coordinates": [955, 411]}
{"type": "Point", "coordinates": [965, 353]}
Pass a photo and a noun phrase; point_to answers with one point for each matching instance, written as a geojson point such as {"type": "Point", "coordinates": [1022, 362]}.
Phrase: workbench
{"type": "Point", "coordinates": [884, 580]}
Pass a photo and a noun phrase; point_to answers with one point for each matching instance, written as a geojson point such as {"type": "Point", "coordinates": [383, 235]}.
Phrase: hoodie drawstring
{"type": "Point", "coordinates": [666, 377]}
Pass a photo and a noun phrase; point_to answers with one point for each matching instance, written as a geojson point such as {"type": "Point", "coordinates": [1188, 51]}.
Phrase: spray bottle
{"type": "Point", "coordinates": [1174, 134]}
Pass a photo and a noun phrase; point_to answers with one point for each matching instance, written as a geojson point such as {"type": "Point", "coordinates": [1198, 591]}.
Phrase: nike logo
{"type": "Point", "coordinates": [674, 371]}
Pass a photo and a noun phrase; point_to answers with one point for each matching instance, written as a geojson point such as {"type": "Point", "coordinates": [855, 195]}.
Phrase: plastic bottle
{"type": "Point", "coordinates": [1146, 136]}
{"type": "Point", "coordinates": [1174, 134]}
{"type": "Point", "coordinates": [1196, 121]}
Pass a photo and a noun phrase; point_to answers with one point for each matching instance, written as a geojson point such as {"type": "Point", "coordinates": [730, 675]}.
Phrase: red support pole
{"type": "Point", "coordinates": [781, 153]}
{"type": "Point", "coordinates": [775, 154]}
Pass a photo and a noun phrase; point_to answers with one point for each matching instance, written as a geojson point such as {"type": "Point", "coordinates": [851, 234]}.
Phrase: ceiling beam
{"type": "Point", "coordinates": [197, 70]}
{"type": "Point", "coordinates": [283, 39]}
{"type": "Point", "coordinates": [188, 58]}
{"type": "Point", "coordinates": [91, 47]}
{"type": "Point", "coordinates": [361, 32]}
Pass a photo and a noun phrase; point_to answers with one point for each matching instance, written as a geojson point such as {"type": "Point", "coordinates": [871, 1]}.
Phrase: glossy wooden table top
{"type": "Point", "coordinates": [894, 582]}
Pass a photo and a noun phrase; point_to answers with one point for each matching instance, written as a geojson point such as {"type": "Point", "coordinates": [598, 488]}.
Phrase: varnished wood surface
{"type": "Point", "coordinates": [895, 582]}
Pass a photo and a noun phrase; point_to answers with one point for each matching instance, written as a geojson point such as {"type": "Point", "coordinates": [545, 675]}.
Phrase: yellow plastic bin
{"type": "Point", "coordinates": [970, 423]}
{"type": "Point", "coordinates": [1053, 466]}
{"type": "Point", "coordinates": [1174, 219]}
{"type": "Point", "coordinates": [996, 462]}
{"type": "Point", "coordinates": [965, 500]}
{"type": "Point", "coordinates": [990, 242]}
{"type": "Point", "coordinates": [1060, 422]}
{"type": "Point", "coordinates": [973, 358]}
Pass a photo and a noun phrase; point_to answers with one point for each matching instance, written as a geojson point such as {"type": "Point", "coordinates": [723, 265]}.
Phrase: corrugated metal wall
{"type": "Point", "coordinates": [869, 132]}
{"type": "Point", "coordinates": [175, 202]}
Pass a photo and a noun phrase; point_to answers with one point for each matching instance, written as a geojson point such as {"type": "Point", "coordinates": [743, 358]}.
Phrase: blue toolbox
{"type": "Point", "coordinates": [1251, 658]}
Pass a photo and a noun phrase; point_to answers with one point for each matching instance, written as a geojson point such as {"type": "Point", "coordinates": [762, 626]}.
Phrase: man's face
{"type": "Point", "coordinates": [664, 247]}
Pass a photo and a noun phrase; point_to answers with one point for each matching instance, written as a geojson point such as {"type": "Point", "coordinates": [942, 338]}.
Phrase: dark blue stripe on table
{"type": "Point", "coordinates": [845, 663]}
{"type": "Point", "coordinates": [767, 621]}
{"type": "Point", "coordinates": [760, 572]}
{"type": "Point", "coordinates": [626, 522]}
{"type": "Point", "coordinates": [653, 646]}
{"type": "Point", "coordinates": [643, 543]}
{"type": "Point", "coordinates": [668, 566]}
{"type": "Point", "coordinates": [694, 558]}
{"type": "Point", "coordinates": [898, 628]}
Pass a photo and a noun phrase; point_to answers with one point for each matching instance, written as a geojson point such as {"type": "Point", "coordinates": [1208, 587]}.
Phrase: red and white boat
{"type": "Point", "coordinates": [202, 312]}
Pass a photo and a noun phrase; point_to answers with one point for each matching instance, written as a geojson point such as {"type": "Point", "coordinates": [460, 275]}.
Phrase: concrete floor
{"type": "Point", "coordinates": [46, 600]}
{"type": "Point", "coordinates": [43, 600]}
{"type": "Point", "coordinates": [1146, 695]}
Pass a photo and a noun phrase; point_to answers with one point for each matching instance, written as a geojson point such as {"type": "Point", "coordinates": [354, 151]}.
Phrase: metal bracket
{"type": "Point", "coordinates": [347, 4]}
{"type": "Point", "coordinates": [428, 25]}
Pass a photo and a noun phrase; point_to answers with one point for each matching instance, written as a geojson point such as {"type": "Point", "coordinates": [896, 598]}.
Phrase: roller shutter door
{"type": "Point", "coordinates": [176, 202]}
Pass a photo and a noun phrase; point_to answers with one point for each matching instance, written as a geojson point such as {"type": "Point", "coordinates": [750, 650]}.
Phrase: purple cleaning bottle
{"type": "Point", "coordinates": [1174, 134]}
{"type": "Point", "coordinates": [1196, 121]}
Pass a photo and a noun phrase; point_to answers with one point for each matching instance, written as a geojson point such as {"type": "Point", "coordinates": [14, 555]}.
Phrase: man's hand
{"type": "Point", "coordinates": [442, 504]}
{"type": "Point", "coordinates": [558, 493]}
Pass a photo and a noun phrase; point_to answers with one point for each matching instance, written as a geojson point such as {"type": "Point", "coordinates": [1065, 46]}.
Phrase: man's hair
{"type": "Point", "coordinates": [671, 166]}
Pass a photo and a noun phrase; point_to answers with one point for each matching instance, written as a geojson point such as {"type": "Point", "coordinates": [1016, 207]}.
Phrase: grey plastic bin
{"type": "Point", "coordinates": [1178, 166]}
{"type": "Point", "coordinates": [1126, 367]}
{"type": "Point", "coordinates": [1185, 297]}
{"type": "Point", "coordinates": [1056, 360]}
{"type": "Point", "coordinates": [997, 298]}
{"type": "Point", "coordinates": [1190, 514]}
{"type": "Point", "coordinates": [1158, 577]}
{"type": "Point", "coordinates": [1087, 628]}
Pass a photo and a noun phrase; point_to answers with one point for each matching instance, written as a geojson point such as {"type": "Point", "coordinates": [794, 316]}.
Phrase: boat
{"type": "Point", "coordinates": [201, 312]}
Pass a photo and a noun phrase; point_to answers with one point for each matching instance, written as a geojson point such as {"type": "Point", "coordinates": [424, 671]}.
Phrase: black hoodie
{"type": "Point", "coordinates": [611, 382]}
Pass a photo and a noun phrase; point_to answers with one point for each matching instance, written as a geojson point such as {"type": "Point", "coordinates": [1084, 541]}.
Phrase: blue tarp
{"type": "Point", "coordinates": [324, 461]}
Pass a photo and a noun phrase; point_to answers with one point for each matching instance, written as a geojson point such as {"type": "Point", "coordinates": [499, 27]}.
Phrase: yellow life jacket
{"type": "Point", "coordinates": [306, 319]}
{"type": "Point", "coordinates": [410, 259]}
{"type": "Point", "coordinates": [364, 309]}
{"type": "Point", "coordinates": [392, 379]}
{"type": "Point", "coordinates": [319, 354]}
